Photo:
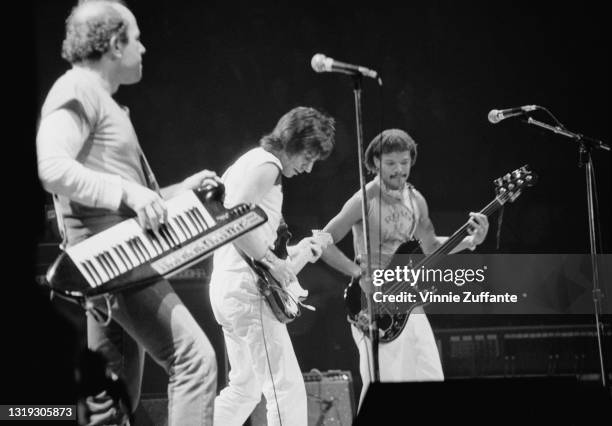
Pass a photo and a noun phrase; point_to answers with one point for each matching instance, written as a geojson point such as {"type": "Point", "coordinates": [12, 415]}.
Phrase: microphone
{"type": "Point", "coordinates": [497, 115]}
{"type": "Point", "coordinates": [321, 63]}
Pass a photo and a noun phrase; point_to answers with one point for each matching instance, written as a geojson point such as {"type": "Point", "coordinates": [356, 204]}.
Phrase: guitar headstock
{"type": "Point", "coordinates": [509, 186]}
{"type": "Point", "coordinates": [283, 235]}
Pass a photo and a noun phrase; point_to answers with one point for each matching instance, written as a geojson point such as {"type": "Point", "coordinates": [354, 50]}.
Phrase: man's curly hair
{"type": "Point", "coordinates": [390, 140]}
{"type": "Point", "coordinates": [89, 29]}
{"type": "Point", "coordinates": [302, 129]}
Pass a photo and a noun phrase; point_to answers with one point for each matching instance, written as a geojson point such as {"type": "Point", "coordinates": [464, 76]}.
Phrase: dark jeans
{"type": "Point", "coordinates": [154, 320]}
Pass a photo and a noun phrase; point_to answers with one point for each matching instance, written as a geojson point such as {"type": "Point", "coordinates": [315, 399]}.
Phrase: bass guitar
{"type": "Point", "coordinates": [392, 317]}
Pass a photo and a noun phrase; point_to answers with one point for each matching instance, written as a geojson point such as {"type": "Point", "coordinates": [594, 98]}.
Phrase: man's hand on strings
{"type": "Point", "coordinates": [478, 227]}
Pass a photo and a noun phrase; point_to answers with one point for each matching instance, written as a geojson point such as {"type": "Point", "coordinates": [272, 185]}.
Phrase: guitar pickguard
{"type": "Point", "coordinates": [389, 326]}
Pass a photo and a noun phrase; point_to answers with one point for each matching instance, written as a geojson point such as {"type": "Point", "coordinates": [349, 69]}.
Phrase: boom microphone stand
{"type": "Point", "coordinates": [321, 63]}
{"type": "Point", "coordinates": [373, 328]}
{"type": "Point", "coordinates": [585, 146]}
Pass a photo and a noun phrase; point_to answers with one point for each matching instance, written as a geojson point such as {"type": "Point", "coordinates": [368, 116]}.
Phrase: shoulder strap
{"type": "Point", "coordinates": [59, 217]}
{"type": "Point", "coordinates": [148, 173]}
{"type": "Point", "coordinates": [415, 210]}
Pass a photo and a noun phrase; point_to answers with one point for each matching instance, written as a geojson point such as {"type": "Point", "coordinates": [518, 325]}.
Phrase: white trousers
{"type": "Point", "coordinates": [260, 354]}
{"type": "Point", "coordinates": [411, 357]}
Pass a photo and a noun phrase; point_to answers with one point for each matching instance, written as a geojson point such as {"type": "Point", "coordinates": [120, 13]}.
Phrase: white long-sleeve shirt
{"type": "Point", "coordinates": [84, 160]}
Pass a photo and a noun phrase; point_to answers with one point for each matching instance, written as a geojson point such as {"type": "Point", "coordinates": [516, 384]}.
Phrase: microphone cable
{"type": "Point", "coordinates": [597, 223]}
{"type": "Point", "coordinates": [593, 178]}
{"type": "Point", "coordinates": [263, 334]}
{"type": "Point", "coordinates": [382, 128]}
{"type": "Point", "coordinates": [546, 110]}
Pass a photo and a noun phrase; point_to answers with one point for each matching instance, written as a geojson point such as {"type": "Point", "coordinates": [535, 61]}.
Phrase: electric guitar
{"type": "Point", "coordinates": [392, 317]}
{"type": "Point", "coordinates": [285, 302]}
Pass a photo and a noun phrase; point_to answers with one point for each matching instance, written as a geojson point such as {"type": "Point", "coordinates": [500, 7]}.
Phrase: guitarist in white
{"type": "Point", "coordinates": [413, 355]}
{"type": "Point", "coordinates": [259, 349]}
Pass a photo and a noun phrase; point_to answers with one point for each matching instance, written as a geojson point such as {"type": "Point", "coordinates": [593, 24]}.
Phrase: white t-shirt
{"type": "Point", "coordinates": [227, 257]}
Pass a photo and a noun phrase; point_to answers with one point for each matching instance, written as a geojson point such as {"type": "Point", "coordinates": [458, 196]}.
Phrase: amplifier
{"type": "Point", "coordinates": [520, 351]}
{"type": "Point", "coordinates": [331, 400]}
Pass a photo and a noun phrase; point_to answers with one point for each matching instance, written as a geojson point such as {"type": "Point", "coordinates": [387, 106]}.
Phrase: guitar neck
{"type": "Point", "coordinates": [458, 236]}
{"type": "Point", "coordinates": [508, 188]}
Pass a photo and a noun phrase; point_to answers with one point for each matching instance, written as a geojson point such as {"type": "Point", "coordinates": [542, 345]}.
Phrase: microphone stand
{"type": "Point", "coordinates": [586, 145]}
{"type": "Point", "coordinates": [373, 326]}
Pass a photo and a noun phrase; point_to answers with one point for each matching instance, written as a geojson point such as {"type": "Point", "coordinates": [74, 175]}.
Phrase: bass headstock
{"type": "Point", "coordinates": [509, 186]}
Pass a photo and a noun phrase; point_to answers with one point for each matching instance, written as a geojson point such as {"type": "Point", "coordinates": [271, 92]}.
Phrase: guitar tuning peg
{"type": "Point", "coordinates": [498, 182]}
{"type": "Point", "coordinates": [507, 177]}
{"type": "Point", "coordinates": [520, 182]}
{"type": "Point", "coordinates": [516, 174]}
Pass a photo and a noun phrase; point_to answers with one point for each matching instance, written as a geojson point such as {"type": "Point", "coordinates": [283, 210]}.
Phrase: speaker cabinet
{"type": "Point", "coordinates": [331, 399]}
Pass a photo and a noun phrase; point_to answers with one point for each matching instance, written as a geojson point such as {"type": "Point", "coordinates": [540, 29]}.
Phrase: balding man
{"type": "Point", "coordinates": [89, 158]}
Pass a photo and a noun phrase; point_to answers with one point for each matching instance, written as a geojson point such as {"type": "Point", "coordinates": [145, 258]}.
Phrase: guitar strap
{"type": "Point", "coordinates": [415, 210]}
{"type": "Point", "coordinates": [149, 177]}
{"type": "Point", "coordinates": [147, 173]}
{"type": "Point", "coordinates": [59, 217]}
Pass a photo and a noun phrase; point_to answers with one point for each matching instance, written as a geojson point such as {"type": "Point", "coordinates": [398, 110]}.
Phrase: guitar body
{"type": "Point", "coordinates": [282, 304]}
{"type": "Point", "coordinates": [352, 297]}
{"type": "Point", "coordinates": [390, 325]}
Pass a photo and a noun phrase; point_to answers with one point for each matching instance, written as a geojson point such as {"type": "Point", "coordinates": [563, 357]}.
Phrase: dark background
{"type": "Point", "coordinates": [218, 77]}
